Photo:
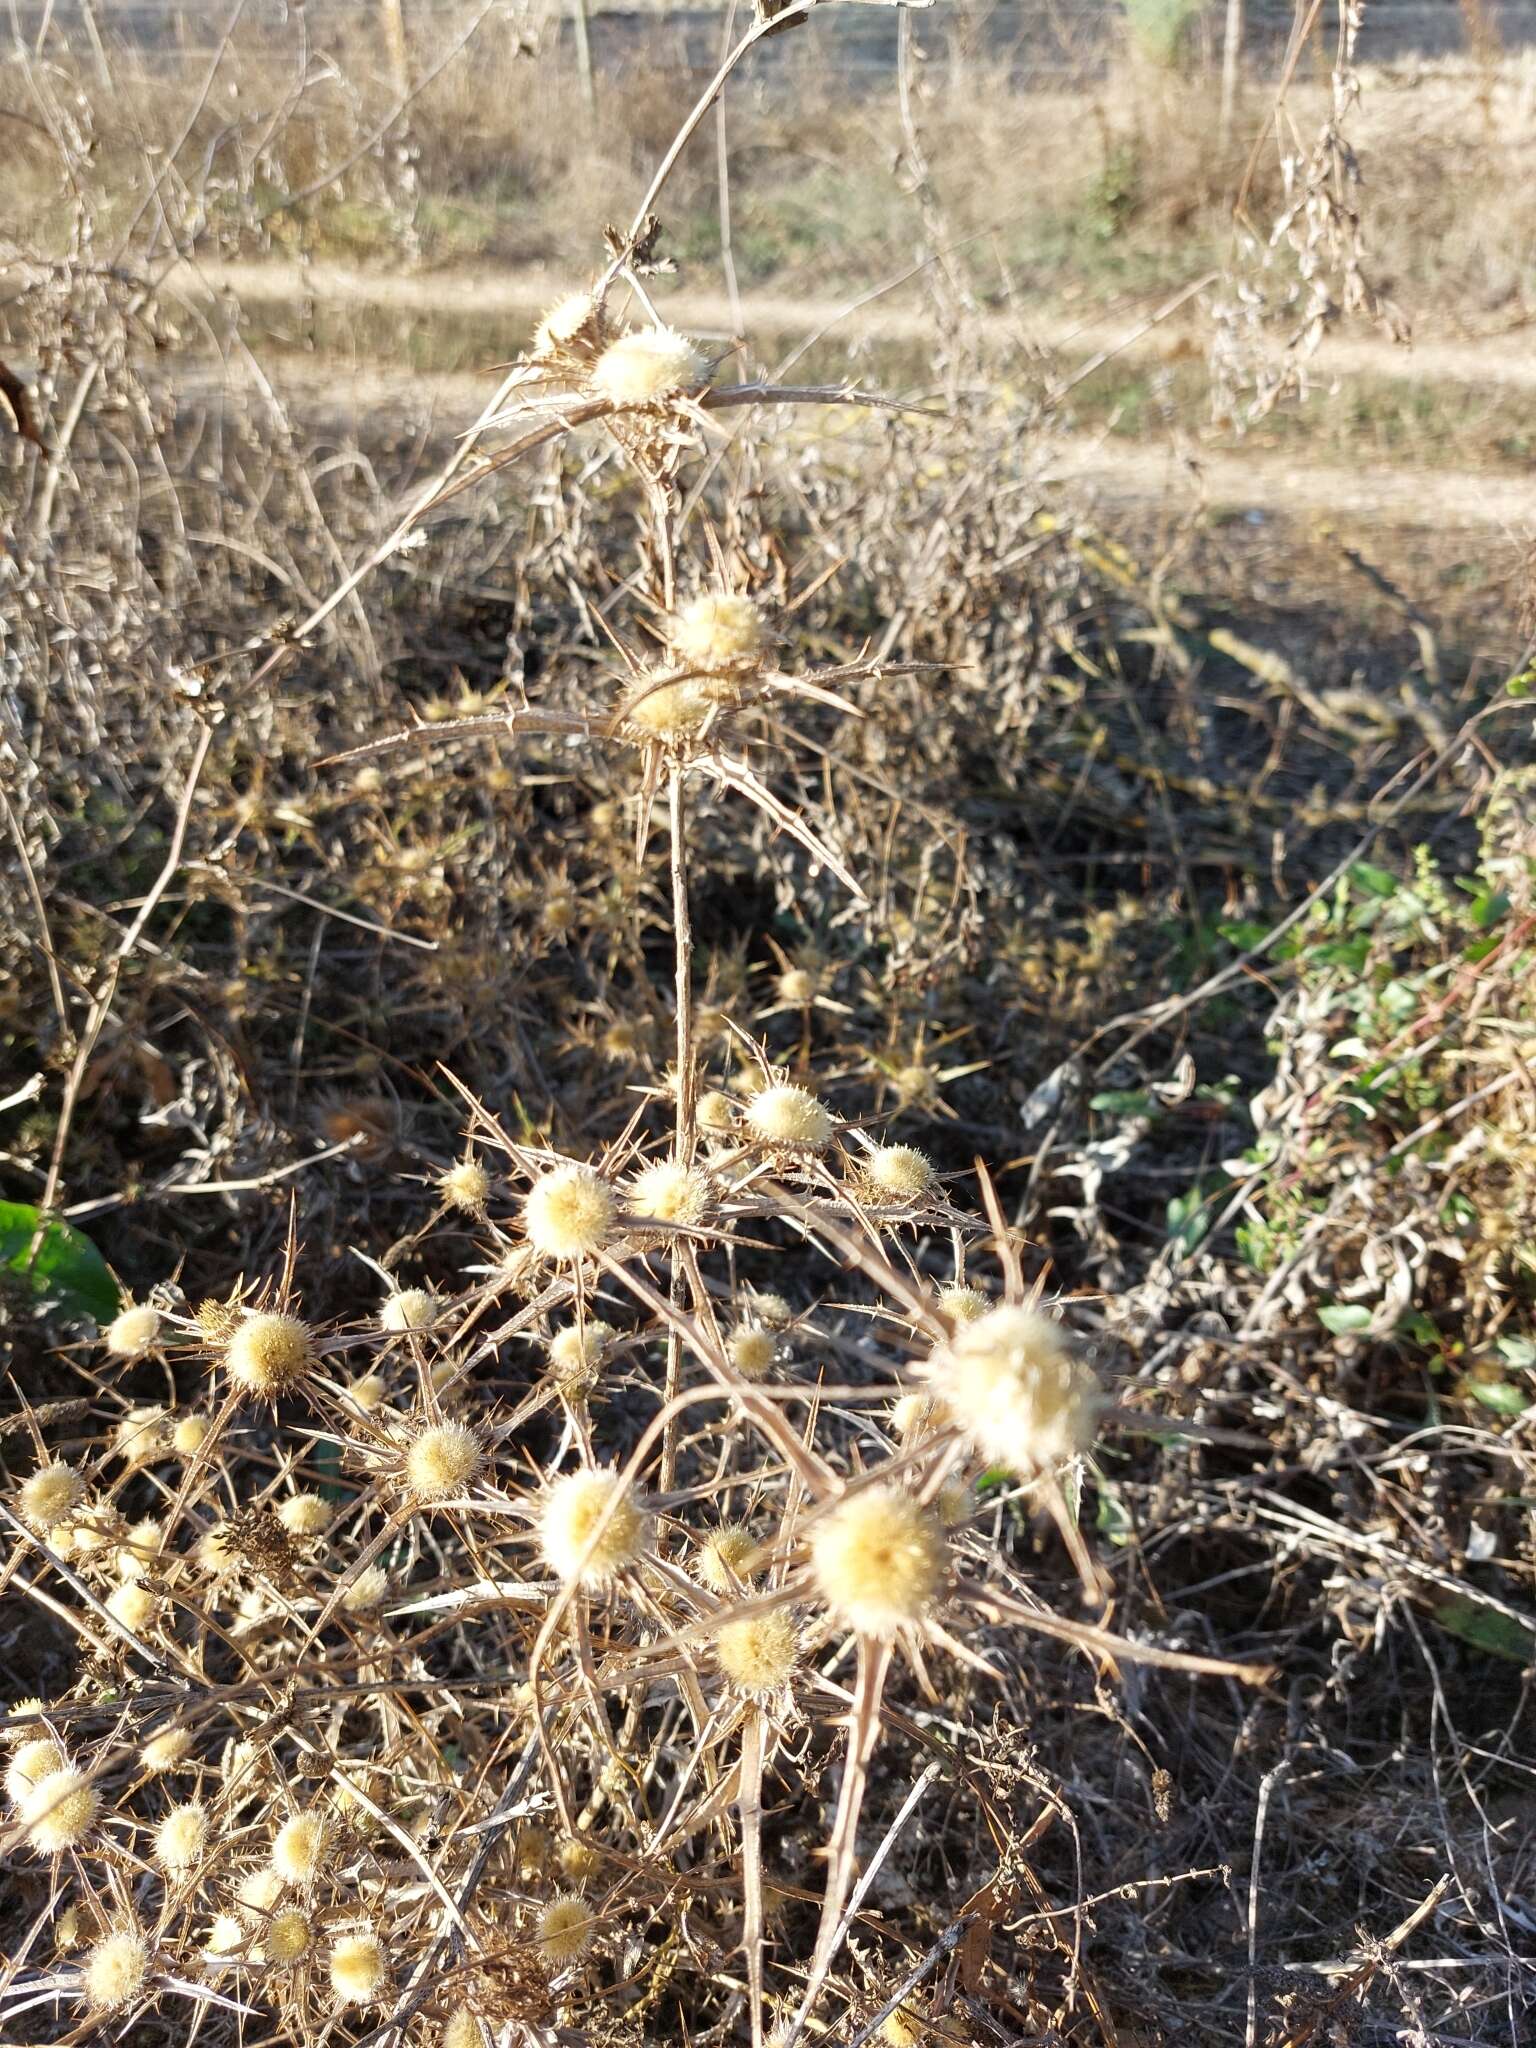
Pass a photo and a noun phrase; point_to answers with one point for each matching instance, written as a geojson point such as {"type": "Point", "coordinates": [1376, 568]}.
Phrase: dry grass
{"type": "Point", "coordinates": [595, 1517]}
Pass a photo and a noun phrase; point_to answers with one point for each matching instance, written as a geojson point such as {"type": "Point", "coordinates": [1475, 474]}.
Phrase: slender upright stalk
{"type": "Point", "coordinates": [685, 1091]}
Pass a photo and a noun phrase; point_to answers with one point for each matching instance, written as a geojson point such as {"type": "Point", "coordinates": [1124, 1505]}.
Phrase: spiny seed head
{"type": "Point", "coordinates": [443, 1460]}
{"type": "Point", "coordinates": [132, 1330]}
{"type": "Point", "coordinates": [305, 1515]}
{"type": "Point", "coordinates": [722, 1561]}
{"type": "Point", "coordinates": [649, 364]}
{"type": "Point", "coordinates": [51, 1495]}
{"type": "Point", "coordinates": [37, 1758]}
{"type": "Point", "coordinates": [113, 1971]}
{"type": "Point", "coordinates": [784, 1114]}
{"type": "Point", "coordinates": [135, 1606]}
{"type": "Point", "coordinates": [359, 1968]}
{"type": "Point", "coordinates": [576, 1354]}
{"type": "Point", "coordinates": [577, 1858]}
{"type": "Point", "coordinates": [163, 1752]}
{"type": "Point", "coordinates": [569, 1212]}
{"type": "Point", "coordinates": [269, 1353]}
{"type": "Point", "coordinates": [878, 1558]}
{"type": "Point", "coordinates": [461, 2029]}
{"type": "Point", "coordinates": [181, 1837]}
{"type": "Point", "coordinates": [714, 632]}
{"type": "Point", "coordinates": [667, 711]}
{"type": "Point", "coordinates": [899, 1172]}
{"type": "Point", "coordinates": [758, 1654]}
{"type": "Point", "coordinates": [752, 1350]}
{"type": "Point", "coordinates": [368, 1591]}
{"type": "Point", "coordinates": [771, 1310]}
{"type": "Point", "coordinates": [715, 1112]}
{"type": "Point", "coordinates": [260, 1891]}
{"type": "Point", "coordinates": [466, 1186]}
{"type": "Point", "coordinates": [18, 1725]}
{"type": "Point", "coordinates": [60, 1810]}
{"type": "Point", "coordinates": [565, 1928]}
{"type": "Point", "coordinates": [1014, 1387]}
{"type": "Point", "coordinates": [670, 1192]}
{"type": "Point", "coordinates": [797, 985]}
{"type": "Point", "coordinates": [217, 1551]}
{"type": "Point", "coordinates": [369, 1392]}
{"type": "Point", "coordinates": [413, 1308]}
{"type": "Point", "coordinates": [189, 1435]}
{"type": "Point", "coordinates": [964, 1304]}
{"type": "Point", "coordinates": [563, 323]}
{"type": "Point", "coordinates": [299, 1848]}
{"type": "Point", "coordinates": [140, 1434]}
{"type": "Point", "coordinates": [287, 1936]}
{"type": "Point", "coordinates": [902, 2028]}
{"type": "Point", "coordinates": [573, 1509]}
{"type": "Point", "coordinates": [226, 1937]}
{"type": "Point", "coordinates": [140, 1548]}
{"type": "Point", "coordinates": [918, 1415]}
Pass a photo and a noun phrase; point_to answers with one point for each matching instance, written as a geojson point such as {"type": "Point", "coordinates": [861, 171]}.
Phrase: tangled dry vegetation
{"type": "Point", "coordinates": [584, 1513]}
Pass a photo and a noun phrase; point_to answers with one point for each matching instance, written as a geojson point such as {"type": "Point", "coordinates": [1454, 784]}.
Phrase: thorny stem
{"type": "Point", "coordinates": [685, 1091]}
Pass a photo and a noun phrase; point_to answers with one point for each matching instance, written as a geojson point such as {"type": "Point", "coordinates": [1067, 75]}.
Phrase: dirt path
{"type": "Point", "coordinates": [1508, 360]}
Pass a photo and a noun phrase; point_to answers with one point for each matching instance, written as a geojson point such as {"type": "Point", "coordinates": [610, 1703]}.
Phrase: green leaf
{"type": "Point", "coordinates": [1517, 1351]}
{"type": "Point", "coordinates": [1485, 1628]}
{"type": "Point", "coordinates": [68, 1271]}
{"type": "Point", "coordinates": [1123, 1102]}
{"type": "Point", "coordinates": [1498, 1395]}
{"type": "Point", "coordinates": [1112, 1520]}
{"type": "Point", "coordinates": [1344, 1318]}
{"type": "Point", "coordinates": [1374, 881]}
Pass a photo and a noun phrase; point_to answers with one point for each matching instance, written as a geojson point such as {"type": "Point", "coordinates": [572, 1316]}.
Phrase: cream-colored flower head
{"type": "Point", "coordinates": [565, 1929]}
{"type": "Point", "coordinates": [787, 1115]}
{"type": "Point", "coordinates": [752, 1350]}
{"type": "Point", "coordinates": [915, 1415]}
{"type": "Point", "coordinates": [670, 1192]}
{"type": "Point", "coordinates": [181, 1838]}
{"type": "Point", "coordinates": [132, 1330]}
{"type": "Point", "coordinates": [35, 1759]}
{"type": "Point", "coordinates": [163, 1752]}
{"type": "Point", "coordinates": [964, 1304]}
{"type": "Point", "coordinates": [716, 1112]}
{"type": "Point", "coordinates": [899, 1173]}
{"type": "Point", "coordinates": [140, 1434]}
{"type": "Point", "coordinates": [134, 1605]}
{"type": "Point", "coordinates": [359, 1969]}
{"type": "Point", "coordinates": [412, 1308]}
{"type": "Point", "coordinates": [1013, 1386]}
{"type": "Point", "coordinates": [286, 1937]}
{"type": "Point", "coordinates": [878, 1560]}
{"type": "Point", "coordinates": [466, 1186]}
{"type": "Point", "coordinates": [114, 1971]}
{"type": "Point", "coordinates": [796, 985]}
{"type": "Point", "coordinates": [60, 1811]}
{"type": "Point", "coordinates": [270, 1353]}
{"type": "Point", "coordinates": [368, 1591]}
{"type": "Point", "coordinates": [564, 322]}
{"type": "Point", "coordinates": [568, 1212]}
{"type": "Point", "coordinates": [189, 1435]}
{"type": "Point", "coordinates": [663, 711]}
{"type": "Point", "coordinates": [443, 1460]}
{"type": "Point", "coordinates": [369, 1391]}
{"type": "Point", "coordinates": [759, 1653]}
{"type": "Point", "coordinates": [461, 2029]}
{"type": "Point", "coordinates": [305, 1515]}
{"type": "Point", "coordinates": [51, 1495]}
{"type": "Point", "coordinates": [140, 1548]}
{"type": "Point", "coordinates": [717, 632]}
{"type": "Point", "coordinates": [573, 1509]}
{"type": "Point", "coordinates": [722, 1560]}
{"type": "Point", "coordinates": [576, 1354]}
{"type": "Point", "coordinates": [647, 365]}
{"type": "Point", "coordinates": [301, 1847]}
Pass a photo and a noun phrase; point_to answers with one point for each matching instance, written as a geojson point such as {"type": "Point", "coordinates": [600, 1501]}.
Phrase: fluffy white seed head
{"type": "Point", "coordinates": [368, 1591]}
{"type": "Point", "coordinates": [900, 1173]}
{"type": "Point", "coordinates": [359, 1969]}
{"type": "Point", "coordinates": [132, 1330]}
{"type": "Point", "coordinates": [466, 1186]}
{"type": "Point", "coordinates": [964, 1304]}
{"type": "Point", "coordinates": [226, 1937]}
{"type": "Point", "coordinates": [650, 364]}
{"type": "Point", "coordinates": [412, 1308]}
{"type": "Point", "coordinates": [189, 1435]}
{"type": "Point", "coordinates": [565, 1929]}
{"type": "Point", "coordinates": [51, 1495]}
{"type": "Point", "coordinates": [141, 1546]}
{"type": "Point", "coordinates": [917, 1415]}
{"type": "Point", "coordinates": [788, 1115]}
{"type": "Point", "coordinates": [1012, 1384]}
{"type": "Point", "coordinates": [722, 1562]}
{"type": "Point", "coordinates": [563, 322]}
{"type": "Point", "coordinates": [667, 711]}
{"type": "Point", "coordinates": [36, 1758]}
{"type": "Point", "coordinates": [163, 1752]}
{"type": "Point", "coordinates": [181, 1838]}
{"type": "Point", "coordinates": [269, 1353]}
{"type": "Point", "coordinates": [878, 1559]}
{"type": "Point", "coordinates": [113, 1971]}
{"type": "Point", "coordinates": [796, 985]}
{"type": "Point", "coordinates": [60, 1810]}
{"type": "Point", "coordinates": [717, 631]}
{"type": "Point", "coordinates": [305, 1515]}
{"type": "Point", "coordinates": [573, 1509]}
{"type": "Point", "coordinates": [286, 1937]}
{"type": "Point", "coordinates": [715, 1112]}
{"type": "Point", "coordinates": [300, 1848]}
{"type": "Point", "coordinates": [461, 2029]}
{"type": "Point", "coordinates": [670, 1192]}
{"type": "Point", "coordinates": [134, 1605]}
{"type": "Point", "coordinates": [369, 1392]}
{"type": "Point", "coordinates": [576, 1354]}
{"type": "Point", "coordinates": [758, 1654]}
{"type": "Point", "coordinates": [752, 1350]}
{"type": "Point", "coordinates": [443, 1460]}
{"type": "Point", "coordinates": [569, 1212]}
